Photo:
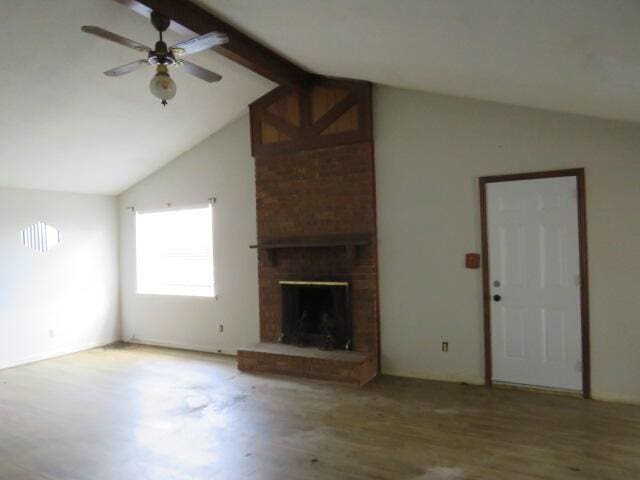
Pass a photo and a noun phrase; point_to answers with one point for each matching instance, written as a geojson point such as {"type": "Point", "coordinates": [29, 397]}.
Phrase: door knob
{"type": "Point", "coordinates": [497, 298]}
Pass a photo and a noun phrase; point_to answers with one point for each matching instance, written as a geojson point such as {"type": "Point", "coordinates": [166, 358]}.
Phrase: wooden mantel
{"type": "Point", "coordinates": [349, 243]}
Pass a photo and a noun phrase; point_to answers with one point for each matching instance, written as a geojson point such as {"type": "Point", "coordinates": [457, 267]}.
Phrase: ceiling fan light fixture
{"type": "Point", "coordinates": [162, 85]}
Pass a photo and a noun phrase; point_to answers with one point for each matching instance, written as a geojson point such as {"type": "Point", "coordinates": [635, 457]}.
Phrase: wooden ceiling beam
{"type": "Point", "coordinates": [187, 18]}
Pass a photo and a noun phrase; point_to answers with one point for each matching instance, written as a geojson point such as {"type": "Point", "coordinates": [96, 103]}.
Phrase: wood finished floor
{"type": "Point", "coordinates": [146, 413]}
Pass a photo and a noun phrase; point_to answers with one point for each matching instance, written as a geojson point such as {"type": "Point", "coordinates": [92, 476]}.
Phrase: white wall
{"type": "Point", "coordinates": [65, 299]}
{"type": "Point", "coordinates": [221, 166]}
{"type": "Point", "coordinates": [430, 151]}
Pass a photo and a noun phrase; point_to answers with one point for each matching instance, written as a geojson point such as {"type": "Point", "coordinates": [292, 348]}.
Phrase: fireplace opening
{"type": "Point", "coordinates": [316, 314]}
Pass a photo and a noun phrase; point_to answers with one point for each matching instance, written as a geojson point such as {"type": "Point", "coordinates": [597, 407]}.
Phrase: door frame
{"type": "Point", "coordinates": [583, 259]}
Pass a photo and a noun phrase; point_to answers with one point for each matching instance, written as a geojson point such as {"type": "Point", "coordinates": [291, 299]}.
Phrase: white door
{"type": "Point", "coordinates": [534, 282]}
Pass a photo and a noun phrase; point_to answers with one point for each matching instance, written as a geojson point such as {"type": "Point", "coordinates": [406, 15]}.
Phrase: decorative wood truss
{"type": "Point", "coordinates": [330, 112]}
{"type": "Point", "coordinates": [188, 18]}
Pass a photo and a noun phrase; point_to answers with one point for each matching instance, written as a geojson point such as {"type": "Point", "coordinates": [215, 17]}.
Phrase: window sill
{"type": "Point", "coordinates": [183, 295]}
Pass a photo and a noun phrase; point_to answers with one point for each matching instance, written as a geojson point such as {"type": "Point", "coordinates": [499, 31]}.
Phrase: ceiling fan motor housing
{"type": "Point", "coordinates": [161, 55]}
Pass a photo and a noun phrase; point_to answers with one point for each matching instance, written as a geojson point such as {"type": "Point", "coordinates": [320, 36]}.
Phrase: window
{"type": "Point", "coordinates": [174, 252]}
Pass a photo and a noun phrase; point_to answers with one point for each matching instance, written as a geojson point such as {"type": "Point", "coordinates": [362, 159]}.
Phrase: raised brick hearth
{"type": "Point", "coordinates": [315, 180]}
{"type": "Point", "coordinates": [351, 367]}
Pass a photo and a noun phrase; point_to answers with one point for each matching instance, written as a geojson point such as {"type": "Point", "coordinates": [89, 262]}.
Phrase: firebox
{"type": "Point", "coordinates": [316, 314]}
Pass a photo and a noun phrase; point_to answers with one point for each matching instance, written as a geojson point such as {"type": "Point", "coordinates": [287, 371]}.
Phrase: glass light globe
{"type": "Point", "coordinates": [162, 85]}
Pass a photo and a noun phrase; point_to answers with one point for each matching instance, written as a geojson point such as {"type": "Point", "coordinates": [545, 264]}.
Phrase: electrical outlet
{"type": "Point", "coordinates": [445, 346]}
{"type": "Point", "coordinates": [221, 328]}
{"type": "Point", "coordinates": [52, 333]}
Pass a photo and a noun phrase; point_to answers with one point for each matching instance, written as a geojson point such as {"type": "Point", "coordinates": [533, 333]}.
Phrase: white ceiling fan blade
{"type": "Point", "coordinates": [197, 44]}
{"type": "Point", "coordinates": [124, 69]}
{"type": "Point", "coordinates": [197, 71]}
{"type": "Point", "coordinates": [114, 37]}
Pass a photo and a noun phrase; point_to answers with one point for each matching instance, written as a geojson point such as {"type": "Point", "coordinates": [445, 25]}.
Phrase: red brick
{"type": "Point", "coordinates": [327, 191]}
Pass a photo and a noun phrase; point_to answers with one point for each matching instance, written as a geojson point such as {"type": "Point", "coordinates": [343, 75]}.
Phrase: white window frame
{"type": "Point", "coordinates": [167, 290]}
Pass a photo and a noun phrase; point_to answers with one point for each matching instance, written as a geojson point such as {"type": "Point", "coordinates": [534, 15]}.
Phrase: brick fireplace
{"type": "Point", "coordinates": [315, 195]}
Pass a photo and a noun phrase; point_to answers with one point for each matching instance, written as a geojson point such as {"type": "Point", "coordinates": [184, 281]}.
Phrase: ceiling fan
{"type": "Point", "coordinates": [162, 85]}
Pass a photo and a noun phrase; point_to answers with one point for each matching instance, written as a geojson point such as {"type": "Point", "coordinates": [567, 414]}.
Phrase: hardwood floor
{"type": "Point", "coordinates": [147, 413]}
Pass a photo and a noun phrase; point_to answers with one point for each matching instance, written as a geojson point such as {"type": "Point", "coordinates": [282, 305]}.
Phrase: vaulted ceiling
{"type": "Point", "coordinates": [65, 126]}
{"type": "Point", "coordinates": [579, 56]}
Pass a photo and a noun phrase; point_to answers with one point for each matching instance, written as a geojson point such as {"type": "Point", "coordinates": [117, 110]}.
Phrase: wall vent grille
{"type": "Point", "coordinates": [40, 237]}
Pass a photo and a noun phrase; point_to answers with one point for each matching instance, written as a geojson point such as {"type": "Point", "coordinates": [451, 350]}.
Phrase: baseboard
{"type": "Point", "coordinates": [194, 347]}
{"type": "Point", "coordinates": [56, 353]}
{"type": "Point", "coordinates": [615, 398]}
{"type": "Point", "coordinates": [600, 396]}
{"type": "Point", "coordinates": [435, 377]}
{"type": "Point", "coordinates": [535, 389]}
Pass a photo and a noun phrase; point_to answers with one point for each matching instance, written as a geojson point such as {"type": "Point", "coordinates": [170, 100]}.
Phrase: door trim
{"type": "Point", "coordinates": [584, 266]}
